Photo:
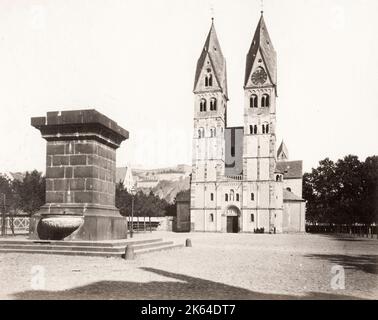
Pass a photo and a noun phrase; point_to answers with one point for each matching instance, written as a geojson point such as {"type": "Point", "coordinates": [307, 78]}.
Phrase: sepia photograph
{"type": "Point", "coordinates": [206, 151]}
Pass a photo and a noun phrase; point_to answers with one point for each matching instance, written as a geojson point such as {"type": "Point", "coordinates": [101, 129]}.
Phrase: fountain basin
{"type": "Point", "coordinates": [58, 227]}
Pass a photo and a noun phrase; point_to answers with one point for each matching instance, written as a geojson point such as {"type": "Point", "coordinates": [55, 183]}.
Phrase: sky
{"type": "Point", "coordinates": [134, 61]}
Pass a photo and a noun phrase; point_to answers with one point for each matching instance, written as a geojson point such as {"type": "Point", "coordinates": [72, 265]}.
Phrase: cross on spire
{"type": "Point", "coordinates": [212, 12]}
{"type": "Point", "coordinates": [262, 6]}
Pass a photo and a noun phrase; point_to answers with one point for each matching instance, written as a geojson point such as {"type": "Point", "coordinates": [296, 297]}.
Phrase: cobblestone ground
{"type": "Point", "coordinates": [217, 266]}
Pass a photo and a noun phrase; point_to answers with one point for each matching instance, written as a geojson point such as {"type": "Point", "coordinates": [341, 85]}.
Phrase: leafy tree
{"type": "Point", "coordinates": [144, 205]}
{"type": "Point", "coordinates": [30, 192]}
{"type": "Point", "coordinates": [6, 193]}
{"type": "Point", "coordinates": [344, 192]}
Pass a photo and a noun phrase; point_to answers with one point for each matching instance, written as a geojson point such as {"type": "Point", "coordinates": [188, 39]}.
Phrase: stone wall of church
{"type": "Point", "coordinates": [295, 186]}
{"type": "Point", "coordinates": [293, 219]}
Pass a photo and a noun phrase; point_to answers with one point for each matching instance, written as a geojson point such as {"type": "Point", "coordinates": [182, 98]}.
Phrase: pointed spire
{"type": "Point", "coordinates": [282, 152]}
{"type": "Point", "coordinates": [261, 42]}
{"type": "Point", "coordinates": [213, 50]}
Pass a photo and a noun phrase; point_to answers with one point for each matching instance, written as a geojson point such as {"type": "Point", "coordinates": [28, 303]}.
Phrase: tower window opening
{"type": "Point", "coordinates": [237, 197]}
{"type": "Point", "coordinates": [213, 104]}
{"type": "Point", "coordinates": [203, 105]}
{"type": "Point", "coordinates": [211, 196]}
{"type": "Point", "coordinates": [252, 217]}
{"type": "Point", "coordinates": [251, 129]}
{"type": "Point", "coordinates": [232, 151]}
{"type": "Point", "coordinates": [265, 101]}
{"type": "Point", "coordinates": [263, 128]}
{"type": "Point", "coordinates": [252, 196]}
{"type": "Point", "coordinates": [253, 101]}
{"type": "Point", "coordinates": [211, 217]}
{"type": "Point", "coordinates": [210, 80]}
{"type": "Point", "coordinates": [255, 129]}
{"type": "Point", "coordinates": [232, 193]}
{"type": "Point", "coordinates": [212, 132]}
{"type": "Point", "coordinates": [201, 133]}
{"type": "Point", "coordinates": [288, 189]}
{"type": "Point", "coordinates": [226, 197]}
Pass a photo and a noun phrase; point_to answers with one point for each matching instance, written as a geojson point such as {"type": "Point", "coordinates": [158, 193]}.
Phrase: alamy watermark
{"type": "Point", "coordinates": [38, 279]}
{"type": "Point", "coordinates": [338, 278]}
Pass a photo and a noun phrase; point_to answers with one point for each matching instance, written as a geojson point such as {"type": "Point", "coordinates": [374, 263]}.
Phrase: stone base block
{"type": "Point", "coordinates": [100, 222]}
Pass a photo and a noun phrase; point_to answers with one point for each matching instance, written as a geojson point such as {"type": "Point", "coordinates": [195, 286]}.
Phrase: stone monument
{"type": "Point", "coordinates": [80, 177]}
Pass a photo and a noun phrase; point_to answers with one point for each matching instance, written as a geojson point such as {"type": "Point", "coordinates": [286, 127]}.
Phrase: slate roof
{"type": "Point", "coordinates": [289, 196]}
{"type": "Point", "coordinates": [290, 169]}
{"type": "Point", "coordinates": [213, 50]}
{"type": "Point", "coordinates": [261, 41]}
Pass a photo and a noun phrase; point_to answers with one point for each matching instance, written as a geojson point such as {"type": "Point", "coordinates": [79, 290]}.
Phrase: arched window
{"type": "Point", "coordinates": [250, 129]}
{"type": "Point", "coordinates": [252, 217]}
{"type": "Point", "coordinates": [210, 80]}
{"type": "Point", "coordinates": [232, 194]}
{"type": "Point", "coordinates": [213, 104]}
{"type": "Point", "coordinates": [255, 129]}
{"type": "Point", "coordinates": [253, 101]}
{"type": "Point", "coordinates": [226, 197]}
{"type": "Point", "coordinates": [201, 133]}
{"type": "Point", "coordinates": [278, 178]}
{"type": "Point", "coordinates": [212, 132]}
{"type": "Point", "coordinates": [265, 101]}
{"type": "Point", "coordinates": [206, 81]}
{"type": "Point", "coordinates": [237, 197]}
{"type": "Point", "coordinates": [263, 128]}
{"type": "Point", "coordinates": [252, 196]}
{"type": "Point", "coordinates": [211, 217]}
{"type": "Point", "coordinates": [288, 189]}
{"type": "Point", "coordinates": [203, 105]}
{"type": "Point", "coordinates": [211, 196]}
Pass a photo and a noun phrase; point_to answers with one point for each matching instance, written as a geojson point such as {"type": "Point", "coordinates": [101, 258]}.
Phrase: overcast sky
{"type": "Point", "coordinates": [135, 60]}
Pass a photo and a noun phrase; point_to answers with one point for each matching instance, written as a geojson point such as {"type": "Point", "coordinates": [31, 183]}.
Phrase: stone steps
{"type": "Point", "coordinates": [106, 243]}
{"type": "Point", "coordinates": [77, 247]}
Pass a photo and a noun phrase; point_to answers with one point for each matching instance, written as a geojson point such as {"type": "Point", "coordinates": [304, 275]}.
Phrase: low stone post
{"type": "Point", "coordinates": [188, 243]}
{"type": "Point", "coordinates": [129, 252]}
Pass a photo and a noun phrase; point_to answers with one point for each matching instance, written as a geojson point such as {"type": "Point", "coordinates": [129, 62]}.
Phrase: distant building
{"type": "Point", "coordinates": [125, 175]}
{"type": "Point", "coordinates": [240, 181]}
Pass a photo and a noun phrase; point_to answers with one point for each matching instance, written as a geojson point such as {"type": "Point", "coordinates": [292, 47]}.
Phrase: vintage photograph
{"type": "Point", "coordinates": [188, 150]}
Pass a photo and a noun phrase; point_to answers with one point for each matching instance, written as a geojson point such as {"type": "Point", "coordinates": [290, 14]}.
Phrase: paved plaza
{"type": "Point", "coordinates": [217, 266]}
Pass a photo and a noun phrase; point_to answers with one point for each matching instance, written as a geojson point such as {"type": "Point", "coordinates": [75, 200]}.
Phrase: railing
{"type": "Point", "coordinates": [15, 224]}
{"type": "Point", "coordinates": [356, 230]}
{"type": "Point", "coordinates": [232, 178]}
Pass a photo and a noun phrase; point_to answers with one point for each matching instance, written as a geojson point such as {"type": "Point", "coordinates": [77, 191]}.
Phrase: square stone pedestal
{"type": "Point", "coordinates": [80, 177]}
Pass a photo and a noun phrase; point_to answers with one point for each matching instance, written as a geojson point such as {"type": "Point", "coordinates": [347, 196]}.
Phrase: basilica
{"type": "Point", "coordinates": [240, 181]}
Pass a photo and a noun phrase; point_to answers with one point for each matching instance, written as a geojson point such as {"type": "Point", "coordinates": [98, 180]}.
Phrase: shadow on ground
{"type": "Point", "coordinates": [365, 263]}
{"type": "Point", "coordinates": [186, 288]}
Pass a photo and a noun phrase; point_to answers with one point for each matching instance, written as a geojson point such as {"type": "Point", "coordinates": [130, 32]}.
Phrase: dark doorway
{"type": "Point", "coordinates": [232, 224]}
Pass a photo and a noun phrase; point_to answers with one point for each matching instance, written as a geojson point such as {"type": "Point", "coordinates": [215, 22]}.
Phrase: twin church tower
{"type": "Point", "coordinates": [240, 183]}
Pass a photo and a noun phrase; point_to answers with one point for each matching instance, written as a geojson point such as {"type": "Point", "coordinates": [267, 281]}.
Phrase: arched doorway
{"type": "Point", "coordinates": [233, 219]}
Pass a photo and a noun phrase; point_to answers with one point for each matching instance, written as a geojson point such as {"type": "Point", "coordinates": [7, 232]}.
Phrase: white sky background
{"type": "Point", "coordinates": [135, 61]}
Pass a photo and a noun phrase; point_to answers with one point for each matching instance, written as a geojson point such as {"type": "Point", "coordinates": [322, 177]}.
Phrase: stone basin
{"type": "Point", "coordinates": [58, 227]}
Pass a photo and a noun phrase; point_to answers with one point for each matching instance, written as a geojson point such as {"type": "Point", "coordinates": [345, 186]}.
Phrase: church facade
{"type": "Point", "coordinates": [240, 181]}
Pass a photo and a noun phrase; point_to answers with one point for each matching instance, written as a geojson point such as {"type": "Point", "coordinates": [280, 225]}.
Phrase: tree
{"type": "Point", "coordinates": [30, 192]}
{"type": "Point", "coordinates": [344, 192]}
{"type": "Point", "coordinates": [144, 205]}
{"type": "Point", "coordinates": [6, 193]}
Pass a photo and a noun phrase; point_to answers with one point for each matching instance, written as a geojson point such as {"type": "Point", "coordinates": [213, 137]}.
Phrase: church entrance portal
{"type": "Point", "coordinates": [233, 218]}
{"type": "Point", "coordinates": [232, 224]}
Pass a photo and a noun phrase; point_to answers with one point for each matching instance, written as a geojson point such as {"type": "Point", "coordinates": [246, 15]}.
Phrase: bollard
{"type": "Point", "coordinates": [188, 243]}
{"type": "Point", "coordinates": [129, 252]}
